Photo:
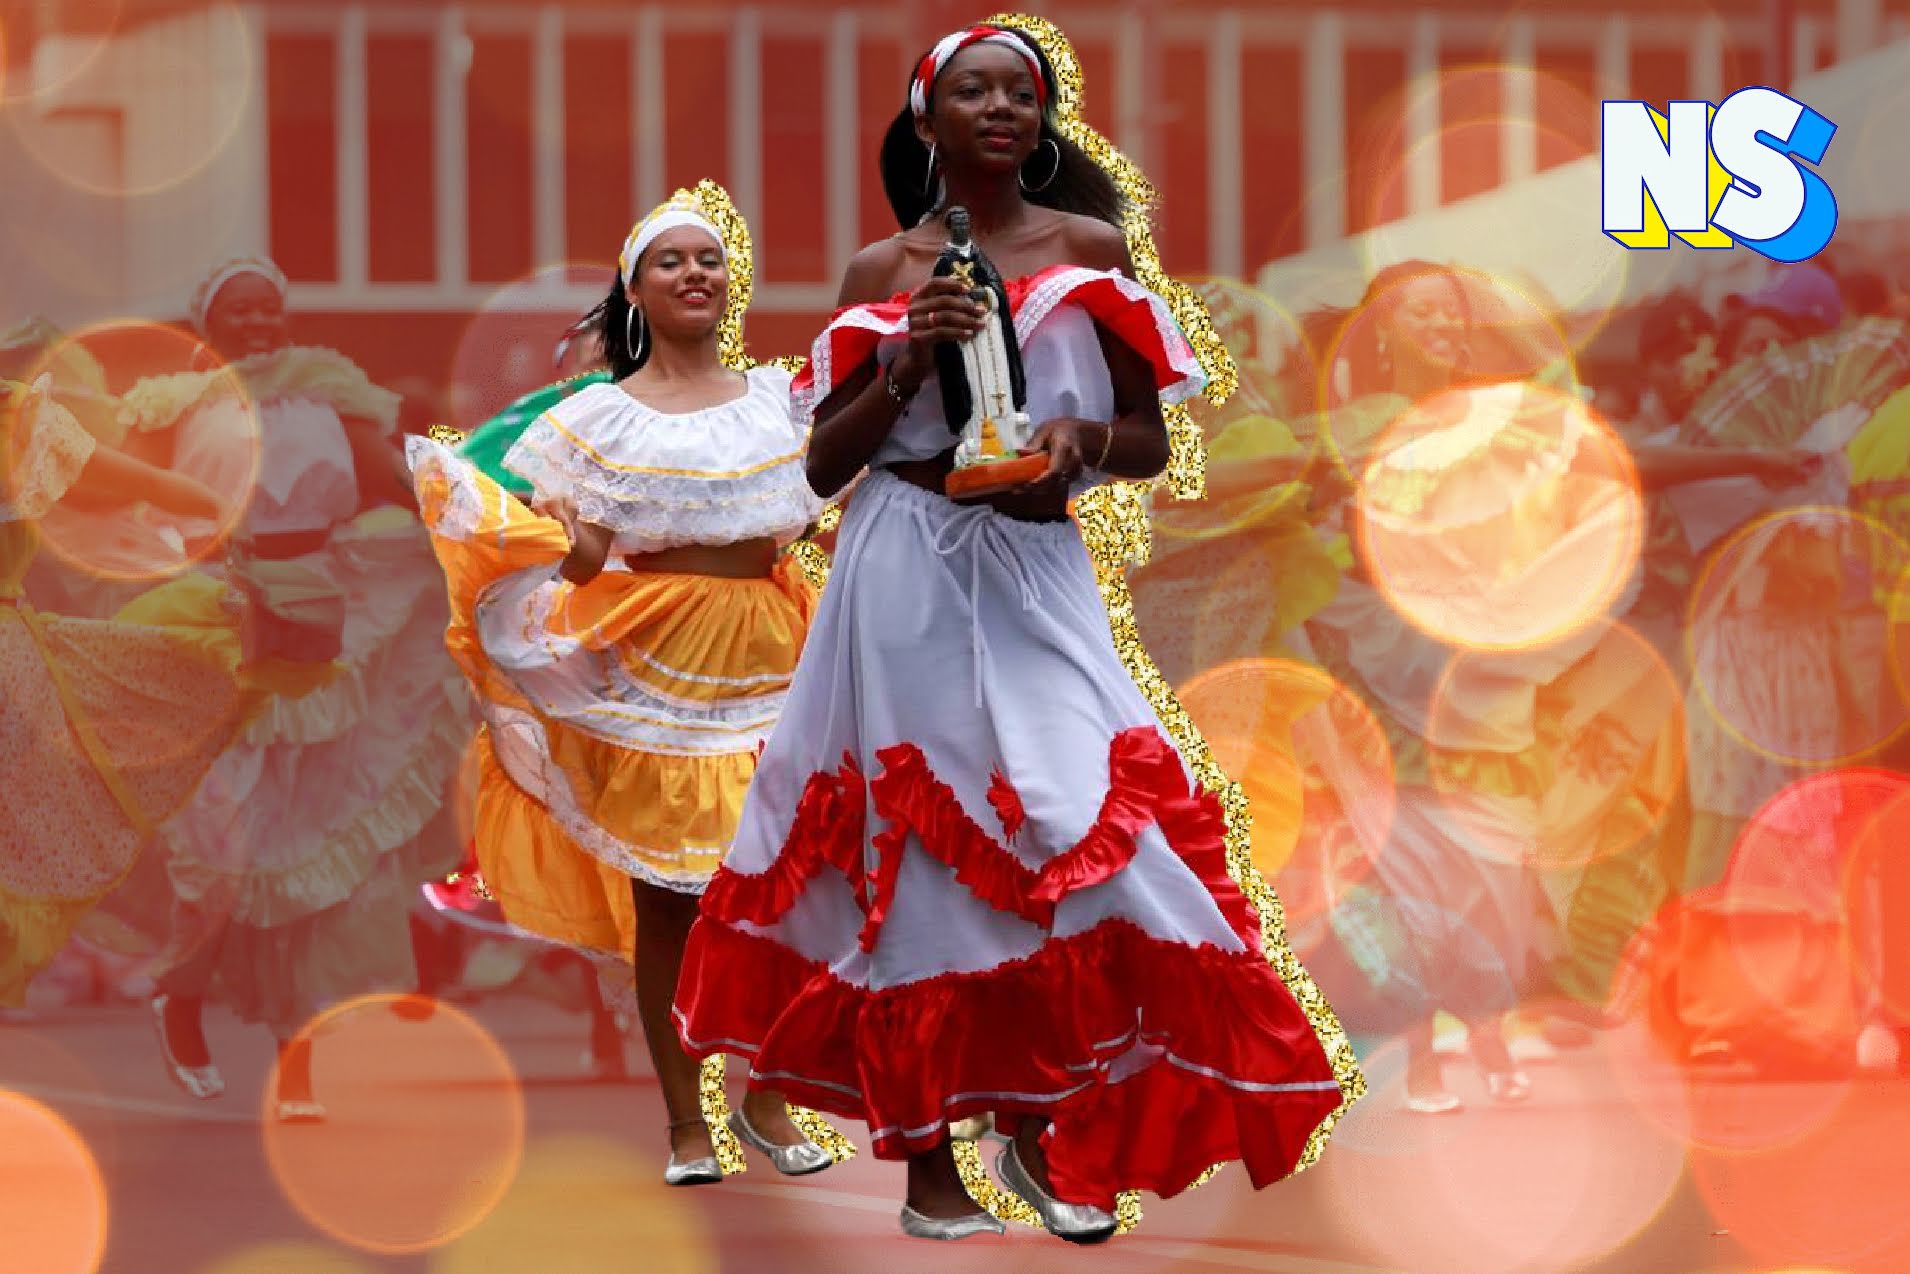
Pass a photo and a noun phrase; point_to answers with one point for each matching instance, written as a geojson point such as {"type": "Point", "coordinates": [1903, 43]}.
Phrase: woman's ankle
{"type": "Point", "coordinates": [295, 1069]}
{"type": "Point", "coordinates": [183, 1022]}
{"type": "Point", "coordinates": [935, 1186]}
{"type": "Point", "coordinates": [689, 1137]}
{"type": "Point", "coordinates": [1488, 1045]}
{"type": "Point", "coordinates": [769, 1116]}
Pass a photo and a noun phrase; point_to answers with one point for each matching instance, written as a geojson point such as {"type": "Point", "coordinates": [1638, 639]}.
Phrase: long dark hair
{"type": "Point", "coordinates": [1079, 185]}
{"type": "Point", "coordinates": [607, 325]}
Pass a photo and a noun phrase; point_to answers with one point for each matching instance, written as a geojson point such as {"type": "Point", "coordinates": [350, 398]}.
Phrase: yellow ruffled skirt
{"type": "Point", "coordinates": [622, 718]}
{"type": "Point", "coordinates": [105, 730]}
{"type": "Point", "coordinates": [285, 884]}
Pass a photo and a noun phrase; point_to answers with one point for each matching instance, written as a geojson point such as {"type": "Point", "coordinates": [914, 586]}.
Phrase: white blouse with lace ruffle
{"type": "Point", "coordinates": [662, 480]}
{"type": "Point", "coordinates": [46, 461]}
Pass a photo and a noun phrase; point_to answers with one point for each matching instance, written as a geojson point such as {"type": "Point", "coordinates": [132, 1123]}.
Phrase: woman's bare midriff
{"type": "Point", "coordinates": [748, 559]}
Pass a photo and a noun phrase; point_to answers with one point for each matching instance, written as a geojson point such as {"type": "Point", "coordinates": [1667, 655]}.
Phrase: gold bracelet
{"type": "Point", "coordinates": [1105, 448]}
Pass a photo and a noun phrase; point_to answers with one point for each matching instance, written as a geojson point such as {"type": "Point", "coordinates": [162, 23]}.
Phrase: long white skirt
{"type": "Point", "coordinates": [972, 874]}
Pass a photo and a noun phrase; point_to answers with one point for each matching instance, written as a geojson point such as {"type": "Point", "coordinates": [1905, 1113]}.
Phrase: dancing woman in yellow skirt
{"type": "Point", "coordinates": [105, 728]}
{"type": "Point", "coordinates": [632, 643]}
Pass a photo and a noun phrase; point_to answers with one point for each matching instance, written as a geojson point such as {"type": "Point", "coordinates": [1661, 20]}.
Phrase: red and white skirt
{"type": "Point", "coordinates": [972, 874]}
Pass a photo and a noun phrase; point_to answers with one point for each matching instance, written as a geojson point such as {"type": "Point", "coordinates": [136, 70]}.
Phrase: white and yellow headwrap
{"type": "Point", "coordinates": [680, 210]}
{"type": "Point", "coordinates": [221, 275]}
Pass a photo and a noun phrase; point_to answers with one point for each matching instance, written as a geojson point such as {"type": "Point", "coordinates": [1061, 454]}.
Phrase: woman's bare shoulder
{"type": "Point", "coordinates": [878, 271]}
{"type": "Point", "coordinates": [1096, 244]}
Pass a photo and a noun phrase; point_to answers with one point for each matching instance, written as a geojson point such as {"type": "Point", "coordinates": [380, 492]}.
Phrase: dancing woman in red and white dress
{"type": "Point", "coordinates": [973, 874]}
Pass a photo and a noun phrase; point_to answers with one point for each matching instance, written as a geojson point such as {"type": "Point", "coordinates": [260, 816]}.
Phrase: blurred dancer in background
{"type": "Point", "coordinates": [289, 878]}
{"type": "Point", "coordinates": [105, 728]}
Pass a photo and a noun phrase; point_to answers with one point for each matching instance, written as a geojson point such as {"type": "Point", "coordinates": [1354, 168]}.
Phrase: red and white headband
{"type": "Point", "coordinates": [931, 66]}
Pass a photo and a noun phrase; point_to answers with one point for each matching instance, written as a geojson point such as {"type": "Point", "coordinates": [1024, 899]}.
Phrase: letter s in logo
{"type": "Point", "coordinates": [1777, 206]}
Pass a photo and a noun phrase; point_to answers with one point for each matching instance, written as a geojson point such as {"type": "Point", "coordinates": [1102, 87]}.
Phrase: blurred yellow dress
{"type": "Point", "coordinates": [1231, 575]}
{"type": "Point", "coordinates": [1880, 469]}
{"type": "Point", "coordinates": [88, 565]}
{"type": "Point", "coordinates": [623, 717]}
{"type": "Point", "coordinates": [105, 728]}
{"type": "Point", "coordinates": [289, 878]}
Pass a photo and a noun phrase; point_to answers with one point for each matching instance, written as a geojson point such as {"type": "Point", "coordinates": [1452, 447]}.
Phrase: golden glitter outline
{"type": "Point", "coordinates": [714, 202]}
{"type": "Point", "coordinates": [1114, 524]}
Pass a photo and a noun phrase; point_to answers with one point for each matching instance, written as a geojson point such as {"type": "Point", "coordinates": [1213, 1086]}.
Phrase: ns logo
{"type": "Point", "coordinates": [1715, 176]}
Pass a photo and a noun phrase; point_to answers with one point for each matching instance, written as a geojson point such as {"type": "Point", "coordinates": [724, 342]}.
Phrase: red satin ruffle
{"type": "Point", "coordinates": [1231, 1068]}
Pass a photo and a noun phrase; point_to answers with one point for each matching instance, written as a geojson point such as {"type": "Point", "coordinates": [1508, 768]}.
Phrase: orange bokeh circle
{"type": "Point", "coordinates": [1503, 517]}
{"type": "Point", "coordinates": [74, 34]}
{"type": "Point", "coordinates": [140, 542]}
{"type": "Point", "coordinates": [1269, 724]}
{"type": "Point", "coordinates": [150, 155]}
{"type": "Point", "coordinates": [1556, 1187]}
{"type": "Point", "coordinates": [1700, 1024]}
{"type": "Point", "coordinates": [1785, 612]}
{"type": "Point", "coordinates": [1833, 1197]}
{"type": "Point", "coordinates": [1875, 898]}
{"type": "Point", "coordinates": [1508, 334]}
{"type": "Point", "coordinates": [53, 1208]}
{"type": "Point", "coordinates": [425, 1127]}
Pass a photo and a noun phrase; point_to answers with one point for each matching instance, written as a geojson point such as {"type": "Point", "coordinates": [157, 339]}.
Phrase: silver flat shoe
{"type": "Point", "coordinates": [203, 1082]}
{"type": "Point", "coordinates": [693, 1172]}
{"type": "Point", "coordinates": [294, 1111]}
{"type": "Point", "coordinates": [1509, 1088]}
{"type": "Point", "coordinates": [1076, 1222]}
{"type": "Point", "coordinates": [948, 1229]}
{"type": "Point", "coordinates": [800, 1160]}
{"type": "Point", "coordinates": [1439, 1103]}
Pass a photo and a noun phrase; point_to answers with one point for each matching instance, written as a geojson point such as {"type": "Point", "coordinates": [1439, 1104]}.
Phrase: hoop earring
{"type": "Point", "coordinates": [1052, 173]}
{"type": "Point", "coordinates": [631, 338]}
{"type": "Point", "coordinates": [928, 174]}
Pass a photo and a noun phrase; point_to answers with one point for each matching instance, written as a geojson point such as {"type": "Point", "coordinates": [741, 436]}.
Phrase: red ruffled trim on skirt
{"type": "Point", "coordinates": [1229, 1067]}
{"type": "Point", "coordinates": [1147, 786]}
{"type": "Point", "coordinates": [826, 832]}
{"type": "Point", "coordinates": [1137, 321]}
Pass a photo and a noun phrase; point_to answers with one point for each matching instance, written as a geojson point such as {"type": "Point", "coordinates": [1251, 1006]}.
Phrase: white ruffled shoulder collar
{"type": "Point", "coordinates": [732, 470]}
{"type": "Point", "coordinates": [620, 434]}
